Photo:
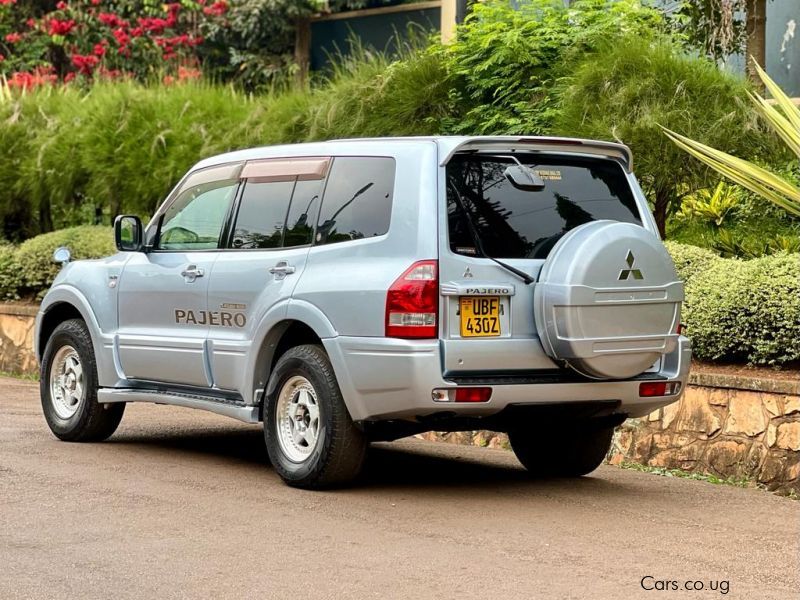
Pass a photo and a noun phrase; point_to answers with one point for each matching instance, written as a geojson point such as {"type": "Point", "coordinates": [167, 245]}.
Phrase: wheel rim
{"type": "Point", "coordinates": [67, 390]}
{"type": "Point", "coordinates": [297, 421]}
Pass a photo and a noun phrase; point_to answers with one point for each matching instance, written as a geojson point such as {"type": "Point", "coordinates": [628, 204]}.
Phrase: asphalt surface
{"type": "Point", "coordinates": [183, 504]}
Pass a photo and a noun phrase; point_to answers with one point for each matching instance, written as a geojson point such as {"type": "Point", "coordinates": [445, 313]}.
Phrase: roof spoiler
{"type": "Point", "coordinates": [620, 152]}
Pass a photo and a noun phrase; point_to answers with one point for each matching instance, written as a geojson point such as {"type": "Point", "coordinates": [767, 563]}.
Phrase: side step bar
{"type": "Point", "coordinates": [221, 406]}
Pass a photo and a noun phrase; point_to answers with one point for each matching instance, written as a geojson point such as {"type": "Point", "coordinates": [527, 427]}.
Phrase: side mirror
{"type": "Point", "coordinates": [61, 255]}
{"type": "Point", "coordinates": [524, 178]}
{"type": "Point", "coordinates": [128, 233]}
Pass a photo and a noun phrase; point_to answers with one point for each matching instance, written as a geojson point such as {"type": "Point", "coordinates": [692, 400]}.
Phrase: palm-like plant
{"type": "Point", "coordinates": [784, 118]}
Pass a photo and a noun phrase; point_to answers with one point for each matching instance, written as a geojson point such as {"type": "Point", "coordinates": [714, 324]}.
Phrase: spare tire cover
{"type": "Point", "coordinates": [607, 303]}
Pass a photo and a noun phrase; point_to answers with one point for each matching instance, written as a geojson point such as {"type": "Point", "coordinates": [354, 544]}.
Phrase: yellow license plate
{"type": "Point", "coordinates": [480, 316]}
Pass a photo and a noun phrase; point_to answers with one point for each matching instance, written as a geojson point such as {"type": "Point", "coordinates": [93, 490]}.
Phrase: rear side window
{"type": "Point", "coordinates": [262, 215]}
{"type": "Point", "coordinates": [515, 223]}
{"type": "Point", "coordinates": [303, 213]}
{"type": "Point", "coordinates": [358, 199]}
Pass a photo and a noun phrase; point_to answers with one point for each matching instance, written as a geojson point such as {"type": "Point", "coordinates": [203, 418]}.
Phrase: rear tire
{"type": "Point", "coordinates": [311, 440]}
{"type": "Point", "coordinates": [569, 451]}
{"type": "Point", "coordinates": [68, 387]}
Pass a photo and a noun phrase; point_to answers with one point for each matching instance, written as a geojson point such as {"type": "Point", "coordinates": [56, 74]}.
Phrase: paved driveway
{"type": "Point", "coordinates": [182, 504]}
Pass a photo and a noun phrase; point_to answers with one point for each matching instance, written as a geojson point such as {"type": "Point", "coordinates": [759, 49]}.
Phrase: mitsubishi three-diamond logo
{"type": "Point", "coordinates": [630, 271]}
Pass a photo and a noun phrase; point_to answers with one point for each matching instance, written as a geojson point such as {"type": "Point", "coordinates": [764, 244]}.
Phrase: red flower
{"type": "Point", "coordinates": [185, 73]}
{"type": "Point", "coordinates": [7, 2]}
{"type": "Point", "coordinates": [99, 49]}
{"type": "Point", "coordinates": [121, 37]}
{"type": "Point", "coordinates": [25, 80]}
{"type": "Point", "coordinates": [153, 24]}
{"type": "Point", "coordinates": [96, 2]}
{"type": "Point", "coordinates": [61, 5]}
{"type": "Point", "coordinates": [58, 27]}
{"type": "Point", "coordinates": [13, 37]}
{"type": "Point", "coordinates": [219, 7]}
{"type": "Point", "coordinates": [69, 77]}
{"type": "Point", "coordinates": [2, 58]}
{"type": "Point", "coordinates": [85, 64]}
{"type": "Point", "coordinates": [169, 80]}
{"type": "Point", "coordinates": [112, 20]}
{"type": "Point", "coordinates": [31, 23]}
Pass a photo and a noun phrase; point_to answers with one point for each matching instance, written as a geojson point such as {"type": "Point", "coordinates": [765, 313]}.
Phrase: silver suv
{"type": "Point", "coordinates": [359, 290]}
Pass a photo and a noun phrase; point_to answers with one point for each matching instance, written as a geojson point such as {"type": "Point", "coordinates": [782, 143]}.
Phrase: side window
{"type": "Point", "coordinates": [303, 213]}
{"type": "Point", "coordinates": [358, 199]}
{"type": "Point", "coordinates": [261, 218]}
{"type": "Point", "coordinates": [195, 219]}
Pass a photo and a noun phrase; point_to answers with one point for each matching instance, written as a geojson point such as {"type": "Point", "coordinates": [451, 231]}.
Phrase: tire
{"type": "Point", "coordinates": [70, 402]}
{"type": "Point", "coordinates": [569, 451]}
{"type": "Point", "coordinates": [303, 391]}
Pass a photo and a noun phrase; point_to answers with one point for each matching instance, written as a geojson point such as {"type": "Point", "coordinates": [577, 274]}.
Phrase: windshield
{"type": "Point", "coordinates": [515, 223]}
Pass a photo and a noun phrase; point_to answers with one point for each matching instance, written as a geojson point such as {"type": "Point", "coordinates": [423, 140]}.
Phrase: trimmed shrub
{"type": "Point", "coordinates": [741, 311]}
{"type": "Point", "coordinates": [34, 258]}
{"type": "Point", "coordinates": [690, 260]}
{"type": "Point", "coordinates": [10, 279]}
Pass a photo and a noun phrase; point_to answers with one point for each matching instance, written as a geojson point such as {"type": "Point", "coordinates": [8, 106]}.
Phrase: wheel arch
{"type": "Point", "coordinates": [63, 303]}
{"type": "Point", "coordinates": [299, 326]}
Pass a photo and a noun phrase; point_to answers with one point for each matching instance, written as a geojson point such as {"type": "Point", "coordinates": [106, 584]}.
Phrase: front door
{"type": "Point", "coordinates": [266, 255]}
{"type": "Point", "coordinates": [163, 309]}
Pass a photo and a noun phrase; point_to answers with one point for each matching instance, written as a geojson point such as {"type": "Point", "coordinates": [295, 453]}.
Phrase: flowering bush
{"type": "Point", "coordinates": [86, 40]}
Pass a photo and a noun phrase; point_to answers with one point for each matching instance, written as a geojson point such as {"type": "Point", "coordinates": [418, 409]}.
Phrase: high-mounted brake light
{"type": "Point", "coordinates": [412, 302]}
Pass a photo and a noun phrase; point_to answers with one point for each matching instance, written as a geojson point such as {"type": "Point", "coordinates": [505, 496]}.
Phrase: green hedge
{"type": "Point", "coordinates": [741, 310]}
{"type": "Point", "coordinates": [28, 270]}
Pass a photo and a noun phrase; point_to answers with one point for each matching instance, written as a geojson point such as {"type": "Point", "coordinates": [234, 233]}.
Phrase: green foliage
{"type": "Point", "coordinates": [628, 90]}
{"type": "Point", "coordinates": [367, 95]}
{"type": "Point", "coordinates": [690, 260]}
{"type": "Point", "coordinates": [33, 259]}
{"type": "Point", "coordinates": [10, 279]}
{"type": "Point", "coordinates": [714, 206]}
{"type": "Point", "coordinates": [741, 311]}
{"type": "Point", "coordinates": [505, 60]}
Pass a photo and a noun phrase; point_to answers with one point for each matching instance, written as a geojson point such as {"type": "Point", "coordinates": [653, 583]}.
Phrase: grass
{"type": "Point", "coordinates": [22, 376]}
{"type": "Point", "coordinates": [740, 482]}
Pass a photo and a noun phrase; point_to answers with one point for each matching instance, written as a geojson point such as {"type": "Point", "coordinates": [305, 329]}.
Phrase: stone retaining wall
{"type": "Point", "coordinates": [725, 425]}
{"type": "Point", "coordinates": [16, 339]}
{"type": "Point", "coordinates": [732, 427]}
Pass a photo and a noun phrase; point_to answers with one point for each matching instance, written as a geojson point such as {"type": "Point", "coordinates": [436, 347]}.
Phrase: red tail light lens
{"type": "Point", "coordinates": [412, 302]}
{"type": "Point", "coordinates": [473, 394]}
{"type": "Point", "coordinates": [650, 389]}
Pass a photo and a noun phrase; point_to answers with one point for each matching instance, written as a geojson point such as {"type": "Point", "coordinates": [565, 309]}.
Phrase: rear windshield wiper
{"type": "Point", "coordinates": [479, 245]}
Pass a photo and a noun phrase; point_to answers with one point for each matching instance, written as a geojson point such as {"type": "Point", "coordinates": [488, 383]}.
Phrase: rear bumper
{"type": "Point", "coordinates": [384, 378]}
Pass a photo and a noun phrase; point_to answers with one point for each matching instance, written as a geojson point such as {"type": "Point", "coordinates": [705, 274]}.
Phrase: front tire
{"type": "Point", "coordinates": [68, 387]}
{"type": "Point", "coordinates": [311, 440]}
{"type": "Point", "coordinates": [569, 451]}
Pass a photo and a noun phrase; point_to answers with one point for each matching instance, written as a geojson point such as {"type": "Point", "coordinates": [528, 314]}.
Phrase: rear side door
{"type": "Point", "coordinates": [162, 300]}
{"type": "Point", "coordinates": [265, 254]}
{"type": "Point", "coordinates": [488, 323]}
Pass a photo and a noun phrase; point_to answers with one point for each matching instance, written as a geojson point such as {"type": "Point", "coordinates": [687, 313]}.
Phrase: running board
{"type": "Point", "coordinates": [221, 406]}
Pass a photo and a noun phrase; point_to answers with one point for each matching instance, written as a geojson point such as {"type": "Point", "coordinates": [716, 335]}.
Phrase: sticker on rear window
{"type": "Point", "coordinates": [551, 174]}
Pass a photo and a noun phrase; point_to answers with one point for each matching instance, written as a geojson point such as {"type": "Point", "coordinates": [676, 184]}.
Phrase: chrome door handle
{"type": "Point", "coordinates": [282, 269]}
{"type": "Point", "coordinates": [192, 272]}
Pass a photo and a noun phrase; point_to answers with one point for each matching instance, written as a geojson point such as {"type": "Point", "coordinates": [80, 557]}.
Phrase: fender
{"type": "Point", "coordinates": [102, 343]}
{"type": "Point", "coordinates": [266, 335]}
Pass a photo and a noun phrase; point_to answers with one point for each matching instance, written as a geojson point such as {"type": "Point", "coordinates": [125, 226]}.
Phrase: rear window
{"type": "Point", "coordinates": [514, 223]}
{"type": "Point", "coordinates": [358, 199]}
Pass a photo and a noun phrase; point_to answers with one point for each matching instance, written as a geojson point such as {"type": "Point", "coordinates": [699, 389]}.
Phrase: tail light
{"type": "Point", "coordinates": [412, 302]}
{"type": "Point", "coordinates": [462, 394]}
{"type": "Point", "coordinates": [650, 389]}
